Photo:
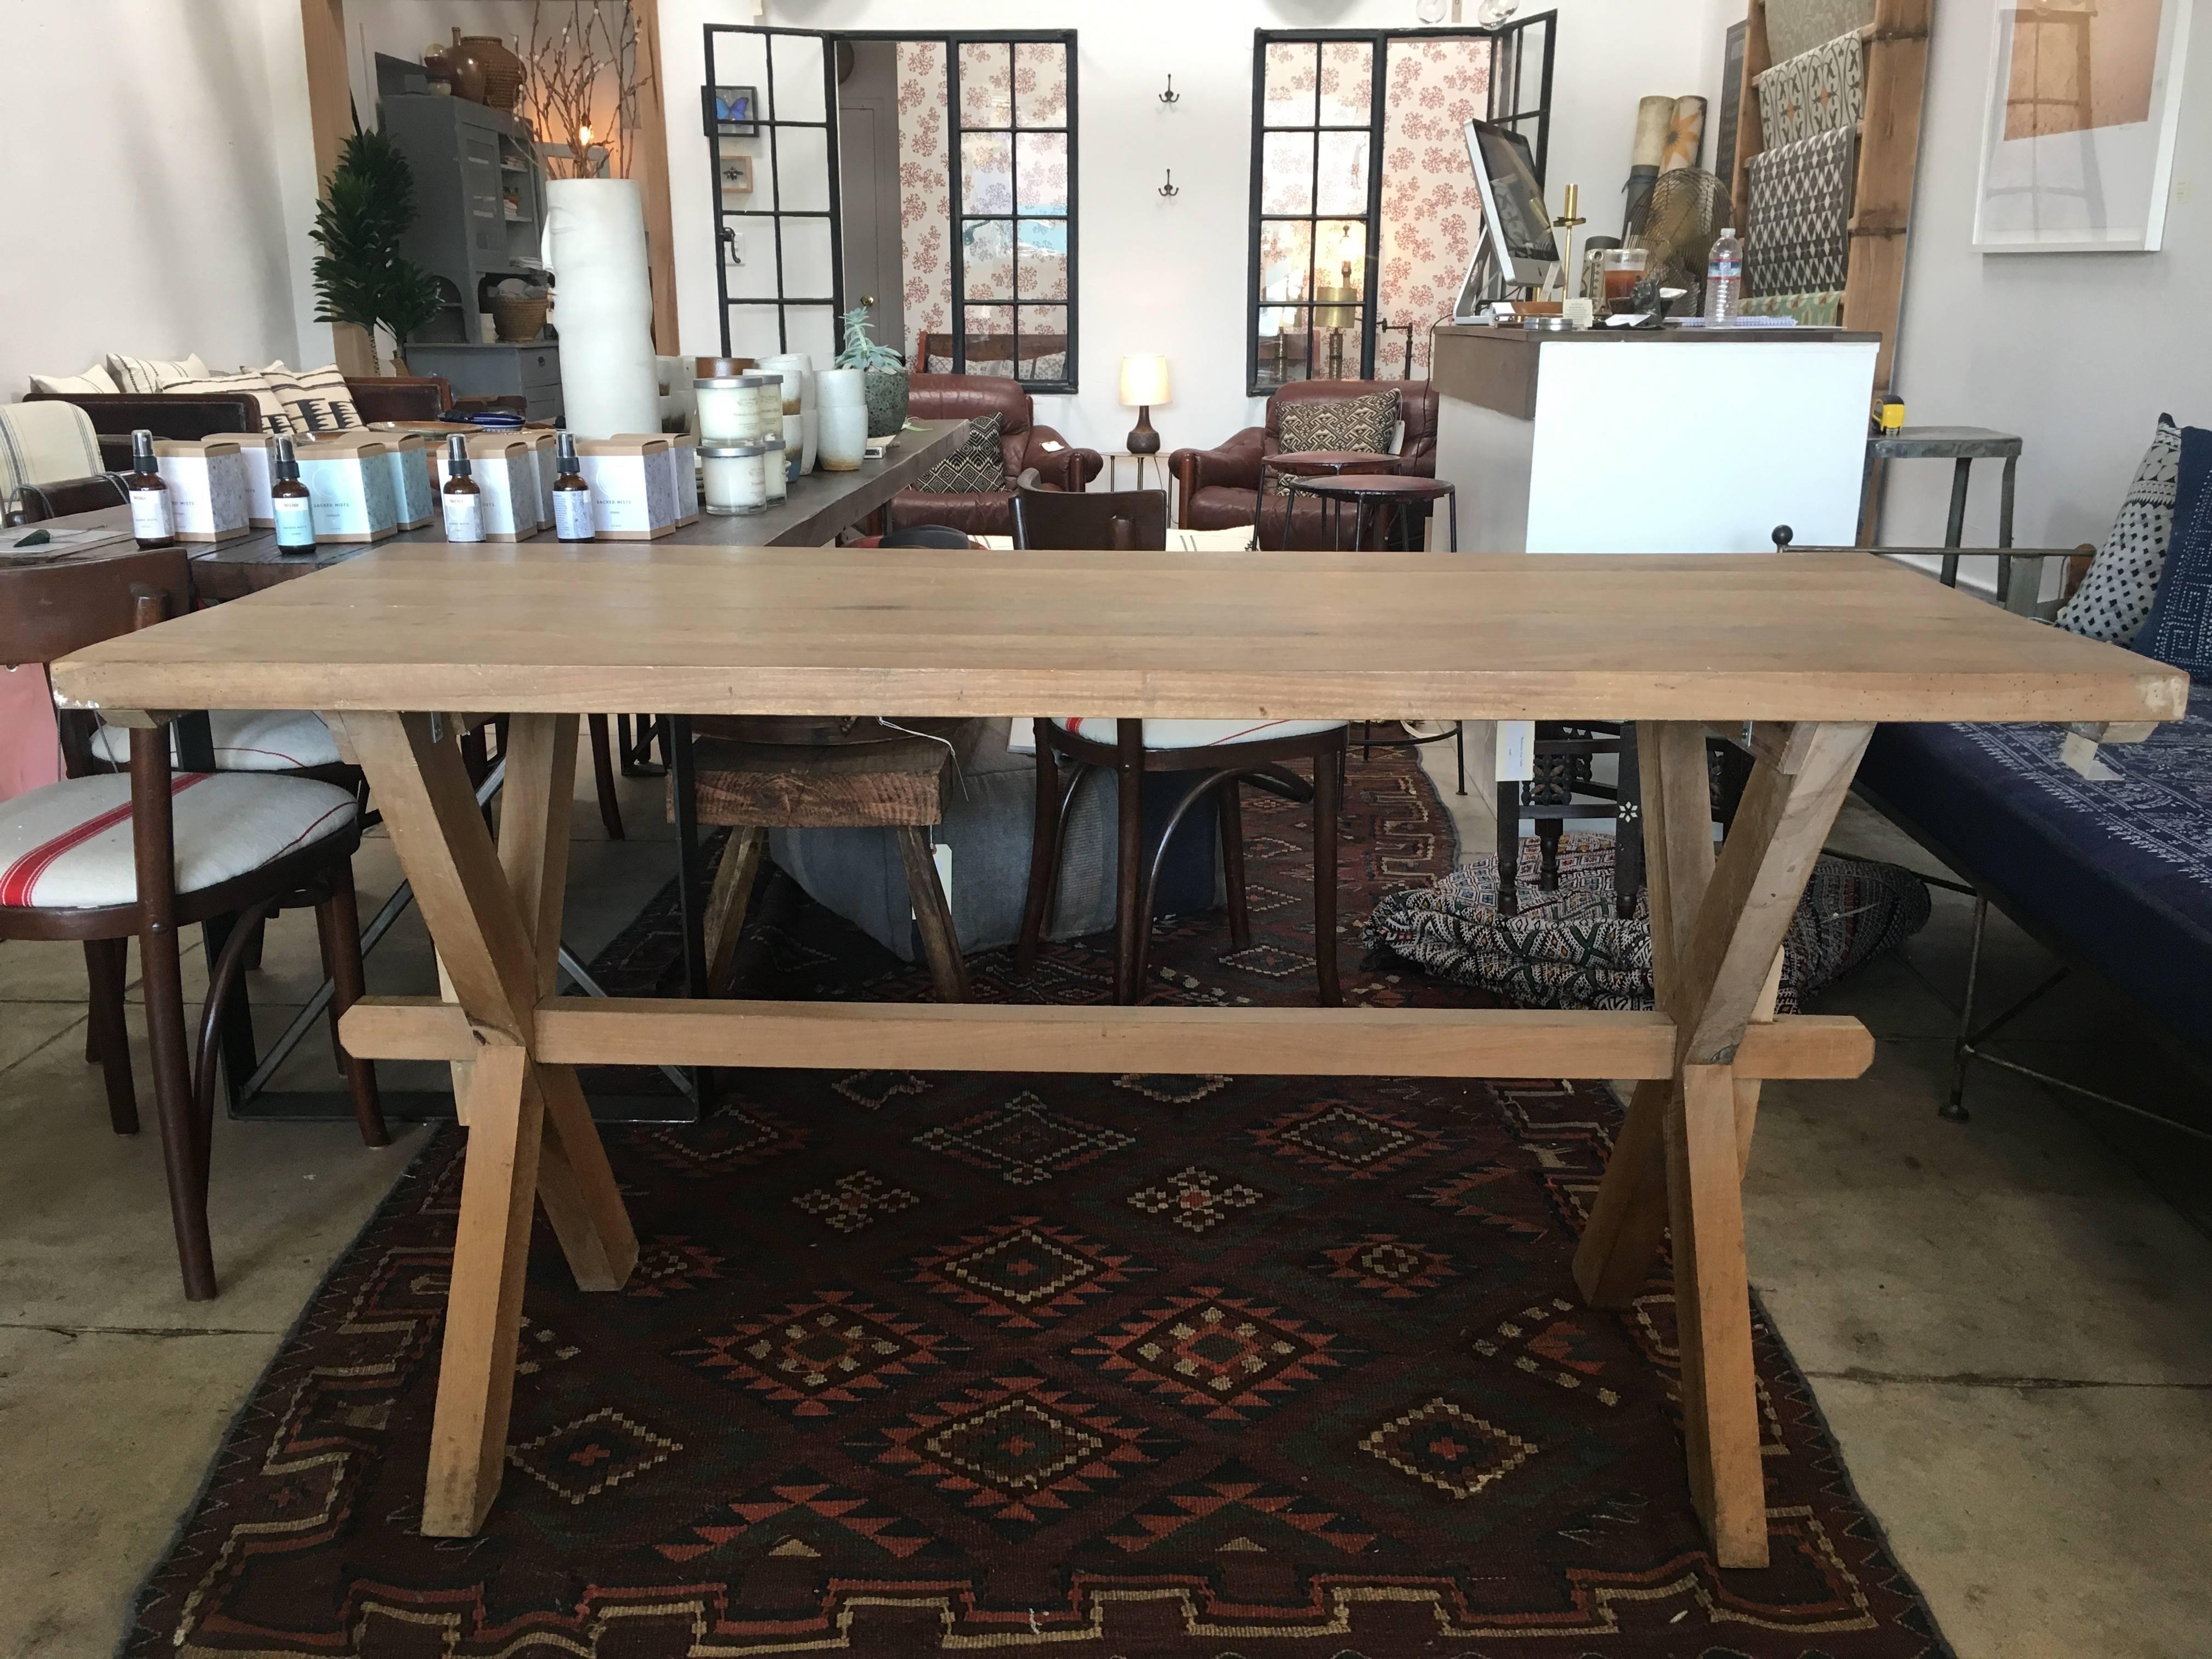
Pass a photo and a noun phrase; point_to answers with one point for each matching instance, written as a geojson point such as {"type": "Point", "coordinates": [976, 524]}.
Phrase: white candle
{"type": "Point", "coordinates": [735, 481]}
{"type": "Point", "coordinates": [776, 466]}
{"type": "Point", "coordinates": [729, 410]}
{"type": "Point", "coordinates": [768, 390]}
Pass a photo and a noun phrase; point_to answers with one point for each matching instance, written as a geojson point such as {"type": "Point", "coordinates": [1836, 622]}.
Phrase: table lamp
{"type": "Point", "coordinates": [1144, 383]}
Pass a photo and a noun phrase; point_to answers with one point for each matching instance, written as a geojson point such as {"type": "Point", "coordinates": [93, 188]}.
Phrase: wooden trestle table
{"type": "Point", "coordinates": [1812, 649]}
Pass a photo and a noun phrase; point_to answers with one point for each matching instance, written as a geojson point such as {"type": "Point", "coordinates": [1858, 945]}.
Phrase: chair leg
{"type": "Point", "coordinates": [1548, 832]}
{"type": "Point", "coordinates": [1509, 848]}
{"type": "Point", "coordinates": [329, 973]}
{"type": "Point", "coordinates": [1044, 857]}
{"type": "Point", "coordinates": [1458, 743]}
{"type": "Point", "coordinates": [1627, 827]}
{"type": "Point", "coordinates": [107, 1041]}
{"type": "Point", "coordinates": [1130, 929]}
{"type": "Point", "coordinates": [726, 904]}
{"type": "Point", "coordinates": [603, 774]}
{"type": "Point", "coordinates": [1232, 861]}
{"type": "Point", "coordinates": [1325, 806]}
{"type": "Point", "coordinates": [933, 916]}
{"type": "Point", "coordinates": [181, 1155]}
{"type": "Point", "coordinates": [337, 919]}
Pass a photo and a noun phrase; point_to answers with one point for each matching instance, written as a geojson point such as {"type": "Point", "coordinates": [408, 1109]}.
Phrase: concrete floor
{"type": "Point", "coordinates": [2008, 1328]}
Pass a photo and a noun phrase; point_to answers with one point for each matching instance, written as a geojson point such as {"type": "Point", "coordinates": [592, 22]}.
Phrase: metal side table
{"type": "Point", "coordinates": [1963, 445]}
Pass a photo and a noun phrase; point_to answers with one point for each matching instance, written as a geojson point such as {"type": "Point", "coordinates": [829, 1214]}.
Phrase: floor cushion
{"type": "Point", "coordinates": [69, 845]}
{"type": "Point", "coordinates": [1567, 949]}
{"type": "Point", "coordinates": [2118, 593]}
{"type": "Point", "coordinates": [245, 740]}
{"type": "Point", "coordinates": [1199, 734]}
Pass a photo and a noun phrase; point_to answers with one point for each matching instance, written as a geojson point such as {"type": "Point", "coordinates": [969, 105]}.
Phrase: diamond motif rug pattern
{"type": "Point", "coordinates": [1161, 1367]}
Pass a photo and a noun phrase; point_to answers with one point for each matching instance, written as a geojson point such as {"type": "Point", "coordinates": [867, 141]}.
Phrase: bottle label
{"type": "Point", "coordinates": [153, 517]}
{"type": "Point", "coordinates": [1728, 270]}
{"type": "Point", "coordinates": [464, 517]}
{"type": "Point", "coordinates": [296, 521]}
{"type": "Point", "coordinates": [572, 516]}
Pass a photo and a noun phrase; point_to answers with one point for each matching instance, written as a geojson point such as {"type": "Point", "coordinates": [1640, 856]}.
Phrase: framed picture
{"type": "Point", "coordinates": [1724, 142]}
{"type": "Point", "coordinates": [731, 111]}
{"type": "Point", "coordinates": [735, 172]}
{"type": "Point", "coordinates": [2078, 142]}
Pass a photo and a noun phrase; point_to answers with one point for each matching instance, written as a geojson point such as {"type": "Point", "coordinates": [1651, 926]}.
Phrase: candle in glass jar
{"type": "Point", "coordinates": [735, 480]}
{"type": "Point", "coordinates": [774, 468]}
{"type": "Point", "coordinates": [729, 408]}
{"type": "Point", "coordinates": [767, 406]}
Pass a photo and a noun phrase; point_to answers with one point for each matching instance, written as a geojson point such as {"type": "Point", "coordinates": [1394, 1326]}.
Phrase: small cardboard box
{"type": "Point", "coordinates": [208, 488]}
{"type": "Point", "coordinates": [257, 452]}
{"type": "Point", "coordinates": [349, 478]}
{"type": "Point", "coordinates": [680, 466]}
{"type": "Point", "coordinates": [633, 482]}
{"type": "Point", "coordinates": [413, 498]}
{"type": "Point", "coordinates": [506, 473]}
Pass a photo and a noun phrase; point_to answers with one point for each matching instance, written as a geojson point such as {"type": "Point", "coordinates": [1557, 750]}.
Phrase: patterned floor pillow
{"type": "Point", "coordinates": [1369, 423]}
{"type": "Point", "coordinates": [1568, 950]}
{"type": "Point", "coordinates": [977, 467]}
{"type": "Point", "coordinates": [2115, 598]}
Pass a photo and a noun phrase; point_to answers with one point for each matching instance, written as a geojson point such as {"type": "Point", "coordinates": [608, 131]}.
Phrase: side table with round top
{"type": "Point", "coordinates": [1296, 464]}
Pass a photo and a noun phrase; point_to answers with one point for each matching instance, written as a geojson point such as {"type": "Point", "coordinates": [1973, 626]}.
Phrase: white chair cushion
{"type": "Point", "coordinates": [245, 740]}
{"type": "Point", "coordinates": [69, 844]}
{"type": "Point", "coordinates": [45, 442]}
{"type": "Point", "coordinates": [1201, 734]}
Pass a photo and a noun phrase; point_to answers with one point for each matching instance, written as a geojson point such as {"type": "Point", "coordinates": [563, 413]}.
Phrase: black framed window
{"type": "Point", "coordinates": [1340, 159]}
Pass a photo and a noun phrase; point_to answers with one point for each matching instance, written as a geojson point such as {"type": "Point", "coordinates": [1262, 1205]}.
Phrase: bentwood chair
{"type": "Point", "coordinates": [99, 858]}
{"type": "Point", "coordinates": [1223, 755]}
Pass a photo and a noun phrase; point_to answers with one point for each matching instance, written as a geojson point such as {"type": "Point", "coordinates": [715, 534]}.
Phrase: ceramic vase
{"type": "Point", "coordinates": [603, 305]}
{"type": "Point", "coordinates": [844, 416]}
{"type": "Point", "coordinates": [797, 366]}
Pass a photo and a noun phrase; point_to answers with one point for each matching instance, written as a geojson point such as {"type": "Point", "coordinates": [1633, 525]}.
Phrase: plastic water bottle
{"type": "Point", "coordinates": [1724, 277]}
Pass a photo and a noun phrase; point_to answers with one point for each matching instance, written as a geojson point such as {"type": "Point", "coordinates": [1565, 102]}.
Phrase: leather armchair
{"type": "Point", "coordinates": [1214, 487]}
{"type": "Point", "coordinates": [990, 512]}
{"type": "Point", "coordinates": [416, 397]}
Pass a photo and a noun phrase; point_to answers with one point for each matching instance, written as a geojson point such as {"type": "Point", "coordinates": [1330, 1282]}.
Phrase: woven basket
{"type": "Point", "coordinates": [519, 321]}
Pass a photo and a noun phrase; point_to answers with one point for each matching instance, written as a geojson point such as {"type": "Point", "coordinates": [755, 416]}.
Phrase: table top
{"type": "Point", "coordinates": [1328, 461]}
{"type": "Point", "coordinates": [820, 505]}
{"type": "Point", "coordinates": [1932, 443]}
{"type": "Point", "coordinates": [1355, 484]}
{"type": "Point", "coordinates": [540, 626]}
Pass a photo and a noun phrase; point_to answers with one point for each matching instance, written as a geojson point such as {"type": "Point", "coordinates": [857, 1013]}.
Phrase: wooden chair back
{"type": "Point", "coordinates": [1120, 520]}
{"type": "Point", "coordinates": [63, 496]}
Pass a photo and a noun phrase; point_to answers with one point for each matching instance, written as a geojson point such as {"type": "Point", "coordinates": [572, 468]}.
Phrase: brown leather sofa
{"type": "Point", "coordinates": [1215, 486]}
{"type": "Point", "coordinates": [989, 513]}
{"type": "Point", "coordinates": [116, 414]}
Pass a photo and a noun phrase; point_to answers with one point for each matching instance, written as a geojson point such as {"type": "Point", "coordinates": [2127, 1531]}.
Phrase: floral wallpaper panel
{"type": "Point", "coordinates": [1430, 208]}
{"type": "Point", "coordinates": [925, 190]}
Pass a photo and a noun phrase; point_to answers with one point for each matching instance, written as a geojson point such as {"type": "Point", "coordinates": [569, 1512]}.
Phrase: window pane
{"type": "Point", "coordinates": [812, 329]}
{"type": "Point", "coordinates": [1286, 172]}
{"type": "Point", "coordinates": [798, 77]}
{"type": "Point", "coordinates": [807, 266]}
{"type": "Point", "coordinates": [1282, 343]}
{"type": "Point", "coordinates": [986, 173]}
{"type": "Point", "coordinates": [1041, 255]}
{"type": "Point", "coordinates": [1340, 259]}
{"type": "Point", "coordinates": [740, 60]}
{"type": "Point", "coordinates": [755, 279]}
{"type": "Point", "coordinates": [990, 339]}
{"type": "Point", "coordinates": [1285, 259]}
{"type": "Point", "coordinates": [987, 97]}
{"type": "Point", "coordinates": [1040, 84]}
{"type": "Point", "coordinates": [802, 170]}
{"type": "Point", "coordinates": [1041, 172]}
{"type": "Point", "coordinates": [1044, 343]}
{"type": "Point", "coordinates": [1290, 91]}
{"type": "Point", "coordinates": [1343, 173]}
{"type": "Point", "coordinates": [753, 331]}
{"type": "Point", "coordinates": [1347, 75]}
{"type": "Point", "coordinates": [987, 255]}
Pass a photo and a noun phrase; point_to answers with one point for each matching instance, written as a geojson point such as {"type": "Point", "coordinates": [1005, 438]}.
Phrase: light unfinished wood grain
{"type": "Point", "coordinates": [538, 627]}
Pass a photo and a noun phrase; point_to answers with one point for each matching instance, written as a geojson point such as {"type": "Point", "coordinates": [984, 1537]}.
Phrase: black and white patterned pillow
{"type": "Point", "coordinates": [254, 383]}
{"type": "Point", "coordinates": [316, 400]}
{"type": "Point", "coordinates": [977, 467]}
{"type": "Point", "coordinates": [2115, 598]}
{"type": "Point", "coordinates": [1368, 424]}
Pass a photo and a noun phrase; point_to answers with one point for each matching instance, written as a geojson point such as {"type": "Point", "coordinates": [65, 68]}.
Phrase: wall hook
{"type": "Point", "coordinates": [1171, 96]}
{"type": "Point", "coordinates": [1171, 187]}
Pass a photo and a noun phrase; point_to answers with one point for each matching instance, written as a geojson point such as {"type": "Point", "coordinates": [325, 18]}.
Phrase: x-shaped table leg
{"type": "Point", "coordinates": [1677, 1167]}
{"type": "Point", "coordinates": [494, 914]}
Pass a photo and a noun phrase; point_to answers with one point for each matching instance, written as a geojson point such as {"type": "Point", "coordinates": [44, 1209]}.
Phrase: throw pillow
{"type": "Point", "coordinates": [2180, 630]}
{"type": "Point", "coordinates": [148, 377]}
{"type": "Point", "coordinates": [274, 416]}
{"type": "Point", "coordinates": [977, 467]}
{"type": "Point", "coordinates": [316, 400]}
{"type": "Point", "coordinates": [95, 379]}
{"type": "Point", "coordinates": [2122, 584]}
{"type": "Point", "coordinates": [1369, 423]}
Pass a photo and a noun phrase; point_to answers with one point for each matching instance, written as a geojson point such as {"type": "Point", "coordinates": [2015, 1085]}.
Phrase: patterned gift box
{"type": "Point", "coordinates": [208, 489]}
{"type": "Point", "coordinates": [1794, 27]}
{"type": "Point", "coordinates": [1823, 90]}
{"type": "Point", "coordinates": [1801, 212]}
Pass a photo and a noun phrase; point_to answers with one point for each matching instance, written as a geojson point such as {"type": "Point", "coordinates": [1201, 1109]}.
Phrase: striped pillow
{"type": "Point", "coordinates": [94, 379]}
{"type": "Point", "coordinates": [148, 377]}
{"type": "Point", "coordinates": [274, 416]}
{"type": "Point", "coordinates": [316, 400]}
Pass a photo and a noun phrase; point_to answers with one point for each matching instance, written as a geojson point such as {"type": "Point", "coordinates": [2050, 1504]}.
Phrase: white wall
{"type": "Point", "coordinates": [1170, 275]}
{"type": "Point", "coordinates": [158, 184]}
{"type": "Point", "coordinates": [2078, 353]}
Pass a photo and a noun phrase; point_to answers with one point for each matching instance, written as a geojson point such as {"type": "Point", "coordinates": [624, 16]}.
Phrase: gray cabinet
{"type": "Point", "coordinates": [532, 372]}
{"type": "Point", "coordinates": [479, 200]}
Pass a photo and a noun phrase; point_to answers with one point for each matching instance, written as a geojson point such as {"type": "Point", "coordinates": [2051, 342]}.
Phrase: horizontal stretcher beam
{"type": "Point", "coordinates": [1459, 1042]}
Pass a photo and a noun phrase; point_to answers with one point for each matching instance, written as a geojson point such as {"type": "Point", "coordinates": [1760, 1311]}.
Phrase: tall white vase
{"type": "Point", "coordinates": [798, 366]}
{"type": "Point", "coordinates": [844, 401]}
{"type": "Point", "coordinates": [603, 305]}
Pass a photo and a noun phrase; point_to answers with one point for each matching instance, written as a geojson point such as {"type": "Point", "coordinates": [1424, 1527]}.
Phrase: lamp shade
{"type": "Point", "coordinates": [1144, 382]}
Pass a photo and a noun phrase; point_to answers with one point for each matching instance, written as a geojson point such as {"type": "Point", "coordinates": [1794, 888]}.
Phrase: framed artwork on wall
{"type": "Point", "coordinates": [731, 111]}
{"type": "Point", "coordinates": [736, 172]}
{"type": "Point", "coordinates": [2078, 144]}
{"type": "Point", "coordinates": [1732, 52]}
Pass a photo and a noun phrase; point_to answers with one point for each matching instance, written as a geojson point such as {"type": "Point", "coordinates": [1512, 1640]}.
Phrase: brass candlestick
{"type": "Point", "coordinates": [1567, 221]}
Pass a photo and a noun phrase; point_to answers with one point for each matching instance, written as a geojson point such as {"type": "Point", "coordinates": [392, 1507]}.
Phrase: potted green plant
{"type": "Point", "coordinates": [883, 374]}
{"type": "Point", "coordinates": [361, 276]}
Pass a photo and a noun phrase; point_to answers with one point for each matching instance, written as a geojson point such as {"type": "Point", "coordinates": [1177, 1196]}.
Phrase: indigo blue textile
{"type": "Point", "coordinates": [2180, 630]}
{"type": "Point", "coordinates": [2119, 873]}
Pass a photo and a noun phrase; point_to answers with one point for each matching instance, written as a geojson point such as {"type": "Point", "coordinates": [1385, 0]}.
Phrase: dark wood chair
{"type": "Point", "coordinates": [200, 847]}
{"type": "Point", "coordinates": [1565, 786]}
{"type": "Point", "coordinates": [1222, 754]}
{"type": "Point", "coordinates": [36, 502]}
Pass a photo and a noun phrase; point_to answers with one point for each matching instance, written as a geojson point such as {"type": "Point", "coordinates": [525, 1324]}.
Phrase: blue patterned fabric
{"type": "Point", "coordinates": [2180, 630]}
{"type": "Point", "coordinates": [2119, 873]}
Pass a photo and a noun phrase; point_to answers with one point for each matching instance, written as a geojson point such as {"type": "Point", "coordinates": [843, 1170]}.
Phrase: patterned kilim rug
{"type": "Point", "coordinates": [1137, 1365]}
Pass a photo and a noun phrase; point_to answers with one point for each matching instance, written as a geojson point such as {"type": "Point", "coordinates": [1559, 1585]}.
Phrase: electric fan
{"type": "Point", "coordinates": [1689, 209]}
